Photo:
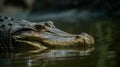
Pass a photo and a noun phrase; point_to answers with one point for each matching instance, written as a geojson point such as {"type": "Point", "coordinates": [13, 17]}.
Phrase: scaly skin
{"type": "Point", "coordinates": [24, 34]}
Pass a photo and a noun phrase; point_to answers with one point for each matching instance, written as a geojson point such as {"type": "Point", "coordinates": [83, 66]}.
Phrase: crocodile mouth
{"type": "Point", "coordinates": [28, 38]}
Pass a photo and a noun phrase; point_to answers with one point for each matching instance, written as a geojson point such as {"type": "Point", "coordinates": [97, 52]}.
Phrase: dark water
{"type": "Point", "coordinates": [106, 53]}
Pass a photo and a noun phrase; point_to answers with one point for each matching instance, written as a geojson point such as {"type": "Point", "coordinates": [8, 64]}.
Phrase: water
{"type": "Point", "coordinates": [48, 58]}
{"type": "Point", "coordinates": [106, 54]}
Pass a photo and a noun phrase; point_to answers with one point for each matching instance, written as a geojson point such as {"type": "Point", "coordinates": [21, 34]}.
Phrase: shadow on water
{"type": "Point", "coordinates": [106, 53]}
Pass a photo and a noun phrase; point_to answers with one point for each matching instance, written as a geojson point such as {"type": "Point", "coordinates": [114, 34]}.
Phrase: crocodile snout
{"type": "Point", "coordinates": [88, 39]}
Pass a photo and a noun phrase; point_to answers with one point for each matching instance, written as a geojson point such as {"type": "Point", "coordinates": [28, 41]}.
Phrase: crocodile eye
{"type": "Point", "coordinates": [78, 36]}
{"type": "Point", "coordinates": [40, 28]}
{"type": "Point", "coordinates": [46, 24]}
{"type": "Point", "coordinates": [49, 24]}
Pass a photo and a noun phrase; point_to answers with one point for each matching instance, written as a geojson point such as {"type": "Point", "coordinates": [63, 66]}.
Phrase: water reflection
{"type": "Point", "coordinates": [6, 59]}
{"type": "Point", "coordinates": [42, 59]}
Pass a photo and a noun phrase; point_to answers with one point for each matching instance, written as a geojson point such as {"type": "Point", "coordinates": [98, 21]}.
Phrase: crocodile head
{"type": "Point", "coordinates": [43, 35]}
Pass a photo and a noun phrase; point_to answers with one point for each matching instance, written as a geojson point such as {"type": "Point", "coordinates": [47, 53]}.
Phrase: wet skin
{"type": "Point", "coordinates": [18, 34]}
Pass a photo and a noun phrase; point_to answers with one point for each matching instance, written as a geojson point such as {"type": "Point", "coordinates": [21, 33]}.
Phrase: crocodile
{"type": "Point", "coordinates": [19, 34]}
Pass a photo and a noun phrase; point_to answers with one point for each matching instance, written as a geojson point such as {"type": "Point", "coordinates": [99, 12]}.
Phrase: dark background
{"type": "Point", "coordinates": [99, 18]}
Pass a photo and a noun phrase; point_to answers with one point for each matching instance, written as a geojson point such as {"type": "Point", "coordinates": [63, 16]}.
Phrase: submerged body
{"type": "Point", "coordinates": [22, 34]}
